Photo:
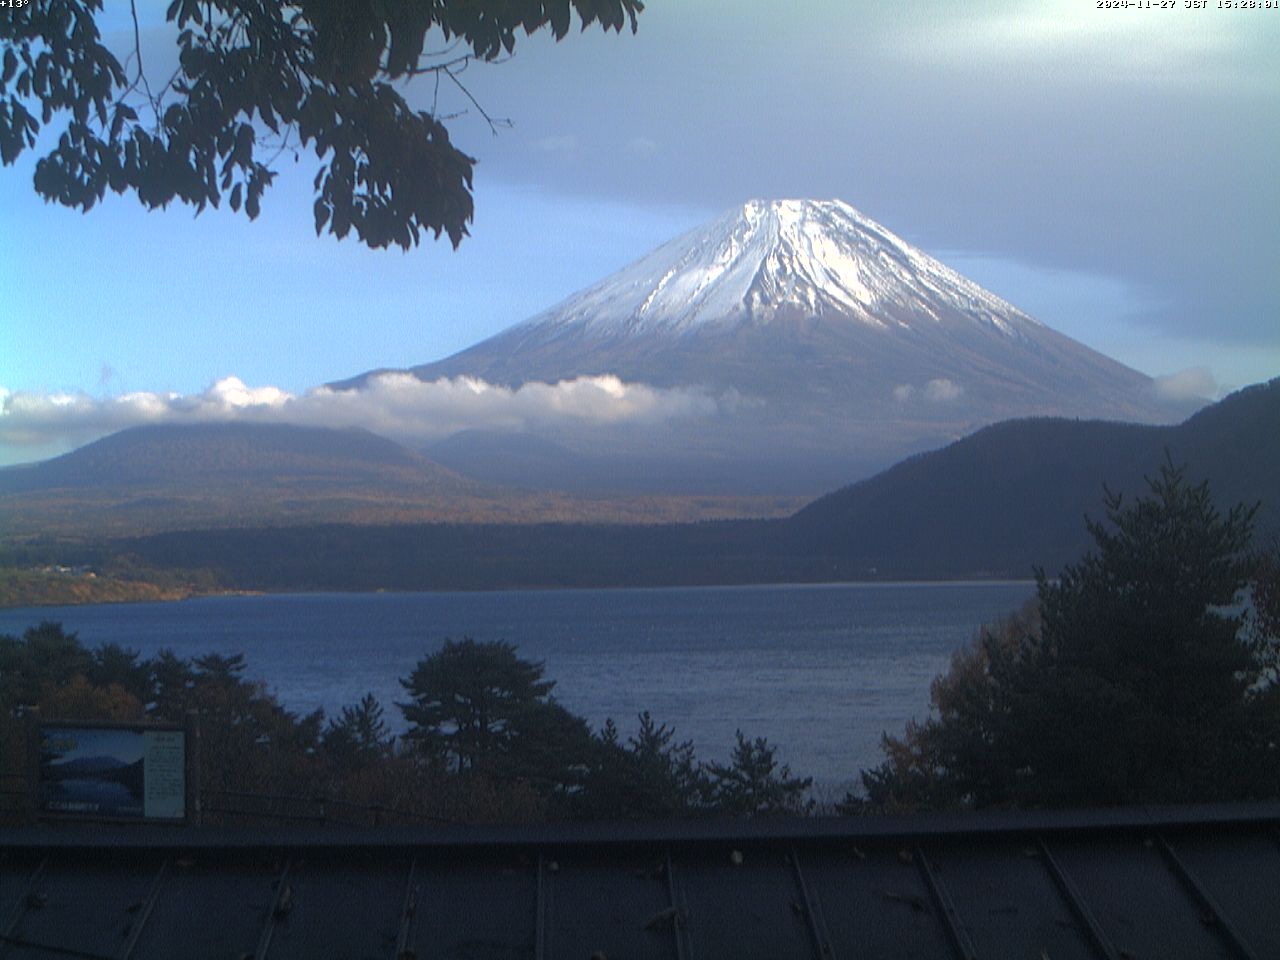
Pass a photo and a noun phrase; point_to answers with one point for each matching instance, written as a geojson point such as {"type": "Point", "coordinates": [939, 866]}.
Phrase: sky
{"type": "Point", "coordinates": [1112, 172]}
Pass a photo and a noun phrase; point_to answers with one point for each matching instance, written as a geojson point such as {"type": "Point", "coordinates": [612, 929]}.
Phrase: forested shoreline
{"type": "Point", "coordinates": [990, 506]}
{"type": "Point", "coordinates": [1148, 672]}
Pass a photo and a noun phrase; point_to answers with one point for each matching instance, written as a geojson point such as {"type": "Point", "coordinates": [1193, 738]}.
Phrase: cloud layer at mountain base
{"type": "Point", "coordinates": [397, 405]}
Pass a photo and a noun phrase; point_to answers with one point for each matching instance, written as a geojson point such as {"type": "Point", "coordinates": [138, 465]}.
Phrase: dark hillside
{"type": "Point", "coordinates": [245, 453]}
{"type": "Point", "coordinates": [1235, 444]}
{"type": "Point", "coordinates": [201, 476]}
{"type": "Point", "coordinates": [481, 556]}
{"type": "Point", "coordinates": [1013, 494]}
{"type": "Point", "coordinates": [996, 504]}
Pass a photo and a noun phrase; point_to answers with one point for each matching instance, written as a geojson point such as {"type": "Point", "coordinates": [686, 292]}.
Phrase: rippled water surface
{"type": "Point", "coordinates": [821, 671]}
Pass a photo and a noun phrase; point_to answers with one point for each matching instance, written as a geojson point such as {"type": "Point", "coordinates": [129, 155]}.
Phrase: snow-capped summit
{"type": "Point", "coordinates": [821, 258]}
{"type": "Point", "coordinates": [830, 346]}
{"type": "Point", "coordinates": [796, 300]}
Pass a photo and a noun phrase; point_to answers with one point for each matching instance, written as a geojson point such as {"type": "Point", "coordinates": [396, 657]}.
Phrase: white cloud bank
{"type": "Point", "coordinates": [394, 404]}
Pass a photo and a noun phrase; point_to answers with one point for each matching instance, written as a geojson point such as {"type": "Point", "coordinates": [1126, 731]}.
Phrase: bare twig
{"type": "Point", "coordinates": [458, 63]}
{"type": "Point", "coordinates": [494, 123]}
{"type": "Point", "coordinates": [141, 76]}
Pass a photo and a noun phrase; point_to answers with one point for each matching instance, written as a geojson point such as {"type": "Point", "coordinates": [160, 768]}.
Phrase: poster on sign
{"type": "Point", "coordinates": [119, 772]}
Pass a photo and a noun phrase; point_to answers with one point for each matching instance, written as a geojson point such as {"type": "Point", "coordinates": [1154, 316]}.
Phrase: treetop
{"type": "Point", "coordinates": [257, 80]}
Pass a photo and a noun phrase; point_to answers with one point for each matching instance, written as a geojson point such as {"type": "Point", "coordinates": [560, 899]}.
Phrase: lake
{"type": "Point", "coordinates": [820, 670]}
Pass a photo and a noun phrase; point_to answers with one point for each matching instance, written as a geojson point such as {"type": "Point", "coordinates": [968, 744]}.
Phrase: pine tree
{"type": "Point", "coordinates": [752, 784]}
{"type": "Point", "coordinates": [360, 737]}
{"type": "Point", "coordinates": [1139, 684]}
{"type": "Point", "coordinates": [470, 699]}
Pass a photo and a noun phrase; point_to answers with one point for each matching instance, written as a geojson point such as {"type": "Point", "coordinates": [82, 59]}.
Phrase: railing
{"type": "Point", "coordinates": [236, 807]}
{"type": "Point", "coordinates": [240, 808]}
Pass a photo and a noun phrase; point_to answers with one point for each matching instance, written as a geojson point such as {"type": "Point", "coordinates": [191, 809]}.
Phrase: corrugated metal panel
{"type": "Point", "coordinates": [1009, 901]}
{"type": "Point", "coordinates": [89, 906]}
{"type": "Point", "coordinates": [874, 901]}
{"type": "Point", "coordinates": [340, 907]}
{"type": "Point", "coordinates": [477, 905]}
{"type": "Point", "coordinates": [211, 907]}
{"type": "Point", "coordinates": [1138, 884]}
{"type": "Point", "coordinates": [1142, 908]}
{"type": "Point", "coordinates": [742, 901]}
{"type": "Point", "coordinates": [614, 906]}
{"type": "Point", "coordinates": [1241, 871]}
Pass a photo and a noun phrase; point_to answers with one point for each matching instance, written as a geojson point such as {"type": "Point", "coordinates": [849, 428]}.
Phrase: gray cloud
{"type": "Point", "coordinates": [943, 390]}
{"type": "Point", "coordinates": [1194, 383]}
{"type": "Point", "coordinates": [940, 390]}
{"type": "Point", "coordinates": [1139, 148]}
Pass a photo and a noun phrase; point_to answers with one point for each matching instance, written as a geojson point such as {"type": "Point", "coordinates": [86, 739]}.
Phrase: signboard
{"type": "Point", "coordinates": [121, 771]}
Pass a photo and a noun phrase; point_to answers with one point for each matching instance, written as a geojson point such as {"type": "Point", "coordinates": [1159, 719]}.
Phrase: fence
{"type": "Point", "coordinates": [233, 808]}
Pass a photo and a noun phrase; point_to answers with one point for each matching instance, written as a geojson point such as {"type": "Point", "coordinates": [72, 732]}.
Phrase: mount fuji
{"type": "Point", "coordinates": [830, 347]}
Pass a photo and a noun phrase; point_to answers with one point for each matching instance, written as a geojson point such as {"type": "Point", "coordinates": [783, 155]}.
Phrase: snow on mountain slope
{"type": "Point", "coordinates": [823, 257]}
{"type": "Point", "coordinates": [827, 345]}
{"type": "Point", "coordinates": [803, 301]}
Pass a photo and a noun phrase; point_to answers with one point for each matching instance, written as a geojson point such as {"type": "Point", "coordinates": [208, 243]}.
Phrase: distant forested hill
{"type": "Point", "coordinates": [995, 504]}
{"type": "Point", "coordinates": [1014, 494]}
{"type": "Point", "coordinates": [166, 477]}
{"type": "Point", "coordinates": [243, 453]}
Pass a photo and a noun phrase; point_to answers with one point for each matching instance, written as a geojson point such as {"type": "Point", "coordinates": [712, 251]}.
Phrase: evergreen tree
{"type": "Point", "coordinates": [751, 784]}
{"type": "Point", "coordinates": [174, 682]}
{"type": "Point", "coordinates": [113, 664]}
{"type": "Point", "coordinates": [651, 776]}
{"type": "Point", "coordinates": [360, 737]}
{"type": "Point", "coordinates": [471, 701]}
{"type": "Point", "coordinates": [550, 748]}
{"type": "Point", "coordinates": [1139, 685]}
{"type": "Point", "coordinates": [44, 659]}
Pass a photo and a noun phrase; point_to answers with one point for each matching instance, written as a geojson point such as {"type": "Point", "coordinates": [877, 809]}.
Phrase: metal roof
{"type": "Point", "coordinates": [1125, 884]}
